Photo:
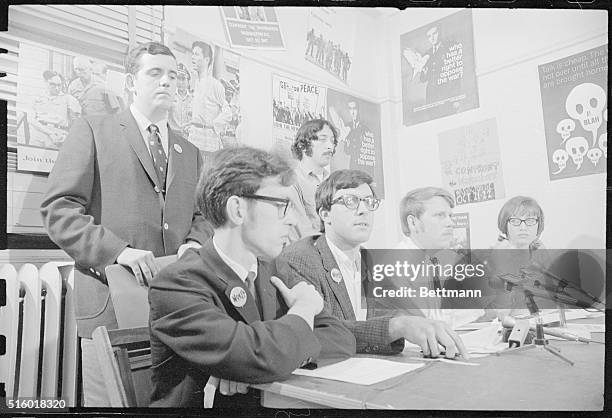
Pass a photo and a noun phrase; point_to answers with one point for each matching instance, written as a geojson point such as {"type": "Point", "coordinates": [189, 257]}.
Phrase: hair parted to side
{"type": "Point", "coordinates": [520, 206]}
{"type": "Point", "coordinates": [308, 133]}
{"type": "Point", "coordinates": [132, 59]}
{"type": "Point", "coordinates": [339, 180]}
{"type": "Point", "coordinates": [236, 172]}
{"type": "Point", "coordinates": [205, 48]}
{"type": "Point", "coordinates": [412, 203]}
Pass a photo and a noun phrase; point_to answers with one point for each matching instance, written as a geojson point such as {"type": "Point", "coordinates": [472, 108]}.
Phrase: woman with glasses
{"type": "Point", "coordinates": [520, 222]}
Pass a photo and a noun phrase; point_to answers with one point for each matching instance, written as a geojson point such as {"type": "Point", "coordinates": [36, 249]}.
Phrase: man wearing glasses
{"type": "Point", "coordinates": [219, 315]}
{"type": "Point", "coordinates": [331, 262]}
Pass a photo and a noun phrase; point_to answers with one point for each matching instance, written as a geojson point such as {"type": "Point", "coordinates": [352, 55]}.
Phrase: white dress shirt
{"type": "Point", "coordinates": [143, 125]}
{"type": "Point", "coordinates": [238, 268]}
{"type": "Point", "coordinates": [350, 268]}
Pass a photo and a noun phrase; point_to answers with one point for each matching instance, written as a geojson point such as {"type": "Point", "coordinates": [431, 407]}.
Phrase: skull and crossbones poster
{"type": "Point", "coordinates": [574, 104]}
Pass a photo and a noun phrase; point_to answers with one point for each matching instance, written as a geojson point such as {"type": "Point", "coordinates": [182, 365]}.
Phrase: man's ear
{"type": "Point", "coordinates": [324, 215]}
{"type": "Point", "coordinates": [411, 221]}
{"type": "Point", "coordinates": [236, 210]}
{"type": "Point", "coordinates": [129, 83]}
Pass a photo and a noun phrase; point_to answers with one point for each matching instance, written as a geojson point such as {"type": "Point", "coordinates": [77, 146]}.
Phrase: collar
{"type": "Point", "coordinates": [341, 256]}
{"type": "Point", "coordinates": [143, 122]}
{"type": "Point", "coordinates": [307, 171]}
{"type": "Point", "coordinates": [236, 267]}
{"type": "Point", "coordinates": [407, 244]}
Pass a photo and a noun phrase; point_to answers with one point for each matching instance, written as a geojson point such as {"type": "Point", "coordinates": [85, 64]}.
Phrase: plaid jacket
{"type": "Point", "coordinates": [311, 259]}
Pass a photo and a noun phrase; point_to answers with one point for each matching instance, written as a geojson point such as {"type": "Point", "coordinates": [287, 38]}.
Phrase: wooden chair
{"type": "Point", "coordinates": [125, 360]}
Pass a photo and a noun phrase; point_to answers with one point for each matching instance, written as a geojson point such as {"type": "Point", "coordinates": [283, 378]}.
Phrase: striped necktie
{"type": "Point", "coordinates": [160, 161]}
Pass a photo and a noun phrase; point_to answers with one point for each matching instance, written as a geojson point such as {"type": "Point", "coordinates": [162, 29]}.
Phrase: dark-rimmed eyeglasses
{"type": "Point", "coordinates": [282, 204]}
{"type": "Point", "coordinates": [352, 201]}
{"type": "Point", "coordinates": [519, 221]}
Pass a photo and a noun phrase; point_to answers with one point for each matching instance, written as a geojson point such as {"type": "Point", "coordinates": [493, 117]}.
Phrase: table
{"type": "Point", "coordinates": [529, 380]}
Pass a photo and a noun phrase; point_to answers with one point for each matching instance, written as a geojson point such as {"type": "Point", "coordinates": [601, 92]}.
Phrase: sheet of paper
{"type": "Point", "coordinates": [484, 340]}
{"type": "Point", "coordinates": [361, 371]}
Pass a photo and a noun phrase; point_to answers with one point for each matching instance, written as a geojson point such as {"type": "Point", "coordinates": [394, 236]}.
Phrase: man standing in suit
{"type": "Point", "coordinates": [219, 315]}
{"type": "Point", "coordinates": [122, 191]}
{"type": "Point", "coordinates": [331, 262]}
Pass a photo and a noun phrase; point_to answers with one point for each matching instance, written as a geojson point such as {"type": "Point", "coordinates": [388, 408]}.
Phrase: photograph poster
{"type": "Point", "coordinates": [438, 70]}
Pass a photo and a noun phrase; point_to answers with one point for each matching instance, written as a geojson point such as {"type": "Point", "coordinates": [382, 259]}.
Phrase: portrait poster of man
{"type": "Point", "coordinates": [207, 104]}
{"type": "Point", "coordinates": [438, 70]}
{"type": "Point", "coordinates": [574, 93]}
{"type": "Point", "coordinates": [54, 88]}
{"type": "Point", "coordinates": [330, 41]}
{"type": "Point", "coordinates": [293, 103]}
{"type": "Point", "coordinates": [471, 162]}
{"type": "Point", "coordinates": [359, 141]}
{"type": "Point", "coordinates": [254, 27]}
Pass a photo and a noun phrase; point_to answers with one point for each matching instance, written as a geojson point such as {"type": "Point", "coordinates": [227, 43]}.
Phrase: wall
{"type": "Point", "coordinates": [509, 45]}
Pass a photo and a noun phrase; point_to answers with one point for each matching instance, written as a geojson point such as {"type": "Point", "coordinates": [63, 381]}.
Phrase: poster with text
{"type": "Point", "coordinates": [574, 103]}
{"type": "Point", "coordinates": [461, 231]}
{"type": "Point", "coordinates": [438, 71]}
{"type": "Point", "coordinates": [359, 141]}
{"type": "Point", "coordinates": [293, 103]}
{"type": "Point", "coordinates": [471, 162]}
{"type": "Point", "coordinates": [253, 27]}
{"type": "Point", "coordinates": [330, 41]}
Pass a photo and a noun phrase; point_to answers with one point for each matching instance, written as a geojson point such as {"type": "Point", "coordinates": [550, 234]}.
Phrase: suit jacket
{"type": "Point", "coordinates": [311, 259]}
{"type": "Point", "coordinates": [197, 331]}
{"type": "Point", "coordinates": [104, 195]}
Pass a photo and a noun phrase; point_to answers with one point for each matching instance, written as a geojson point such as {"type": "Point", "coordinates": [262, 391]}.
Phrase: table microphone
{"type": "Point", "coordinates": [509, 322]}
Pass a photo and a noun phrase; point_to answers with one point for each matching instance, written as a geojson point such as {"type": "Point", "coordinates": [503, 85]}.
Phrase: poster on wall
{"type": "Point", "coordinates": [461, 231]}
{"type": "Point", "coordinates": [359, 140]}
{"type": "Point", "coordinates": [255, 27]}
{"type": "Point", "coordinates": [574, 103]}
{"type": "Point", "coordinates": [330, 41]}
{"type": "Point", "coordinates": [438, 70]}
{"type": "Point", "coordinates": [293, 103]}
{"type": "Point", "coordinates": [206, 109]}
{"type": "Point", "coordinates": [54, 88]}
{"type": "Point", "coordinates": [471, 163]}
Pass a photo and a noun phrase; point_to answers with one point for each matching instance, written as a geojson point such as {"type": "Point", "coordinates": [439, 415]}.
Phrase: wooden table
{"type": "Point", "coordinates": [529, 380]}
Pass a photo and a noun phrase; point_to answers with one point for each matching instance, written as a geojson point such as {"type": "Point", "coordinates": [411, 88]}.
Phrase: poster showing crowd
{"type": "Point", "coordinates": [461, 231]}
{"type": "Point", "coordinates": [574, 102]}
{"type": "Point", "coordinates": [255, 27]}
{"type": "Point", "coordinates": [359, 140]}
{"type": "Point", "coordinates": [54, 88]}
{"type": "Point", "coordinates": [438, 70]}
{"type": "Point", "coordinates": [471, 163]}
{"type": "Point", "coordinates": [206, 109]}
{"type": "Point", "coordinates": [293, 103]}
{"type": "Point", "coordinates": [330, 41]}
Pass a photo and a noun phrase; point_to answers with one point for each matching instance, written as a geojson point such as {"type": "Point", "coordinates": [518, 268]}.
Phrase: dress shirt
{"type": "Point", "coordinates": [236, 267]}
{"type": "Point", "coordinates": [143, 125]}
{"type": "Point", "coordinates": [350, 268]}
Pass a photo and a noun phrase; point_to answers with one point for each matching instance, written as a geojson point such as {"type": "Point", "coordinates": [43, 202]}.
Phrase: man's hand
{"type": "Point", "coordinates": [302, 299]}
{"type": "Point", "coordinates": [428, 334]}
{"type": "Point", "coordinates": [186, 246]}
{"type": "Point", "coordinates": [141, 262]}
{"type": "Point", "coordinates": [225, 386]}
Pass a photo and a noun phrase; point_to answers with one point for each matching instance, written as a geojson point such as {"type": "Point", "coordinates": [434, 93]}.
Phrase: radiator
{"type": "Point", "coordinates": [40, 340]}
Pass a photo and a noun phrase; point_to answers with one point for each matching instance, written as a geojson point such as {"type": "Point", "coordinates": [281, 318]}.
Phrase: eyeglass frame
{"type": "Point", "coordinates": [360, 199]}
{"type": "Point", "coordinates": [270, 199]}
{"type": "Point", "coordinates": [537, 220]}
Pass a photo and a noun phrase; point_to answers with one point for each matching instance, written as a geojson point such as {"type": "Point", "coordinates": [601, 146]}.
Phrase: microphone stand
{"type": "Point", "coordinates": [539, 341]}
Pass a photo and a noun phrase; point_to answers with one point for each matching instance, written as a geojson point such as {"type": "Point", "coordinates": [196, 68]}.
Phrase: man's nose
{"type": "Point", "coordinates": [164, 80]}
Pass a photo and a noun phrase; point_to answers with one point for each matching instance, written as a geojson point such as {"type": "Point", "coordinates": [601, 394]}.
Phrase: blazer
{"type": "Point", "coordinates": [311, 259]}
{"type": "Point", "coordinates": [104, 195]}
{"type": "Point", "coordinates": [200, 329]}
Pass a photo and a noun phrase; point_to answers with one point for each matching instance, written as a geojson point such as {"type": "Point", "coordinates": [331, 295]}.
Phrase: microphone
{"type": "Point", "coordinates": [509, 322]}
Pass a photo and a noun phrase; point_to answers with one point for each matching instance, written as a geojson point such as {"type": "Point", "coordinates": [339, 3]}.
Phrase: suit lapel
{"type": "Point", "coordinates": [131, 134]}
{"type": "Point", "coordinates": [339, 289]}
{"type": "Point", "coordinates": [175, 158]}
{"type": "Point", "coordinates": [266, 291]}
{"type": "Point", "coordinates": [230, 284]}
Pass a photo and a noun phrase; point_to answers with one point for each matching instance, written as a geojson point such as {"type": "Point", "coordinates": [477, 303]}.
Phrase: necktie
{"type": "Point", "coordinates": [250, 281]}
{"type": "Point", "coordinates": [160, 161]}
{"type": "Point", "coordinates": [436, 277]}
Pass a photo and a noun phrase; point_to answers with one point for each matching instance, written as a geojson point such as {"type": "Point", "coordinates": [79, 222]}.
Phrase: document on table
{"type": "Point", "coordinates": [361, 371]}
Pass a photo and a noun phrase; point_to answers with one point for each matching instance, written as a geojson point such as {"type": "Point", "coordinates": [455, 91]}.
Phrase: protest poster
{"type": "Point", "coordinates": [574, 103]}
{"type": "Point", "coordinates": [254, 27]}
{"type": "Point", "coordinates": [461, 231]}
{"type": "Point", "coordinates": [471, 162]}
{"type": "Point", "coordinates": [438, 70]}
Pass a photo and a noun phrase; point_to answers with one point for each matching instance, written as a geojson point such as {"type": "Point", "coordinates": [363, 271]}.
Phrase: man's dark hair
{"type": "Point", "coordinates": [236, 172]}
{"type": "Point", "coordinates": [132, 59]}
{"type": "Point", "coordinates": [205, 48]}
{"type": "Point", "coordinates": [339, 180]}
{"type": "Point", "coordinates": [308, 133]}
